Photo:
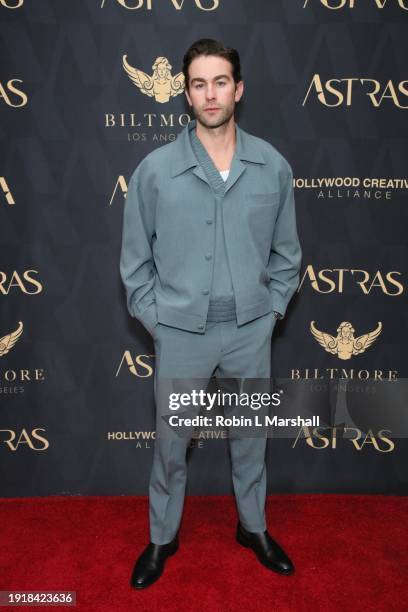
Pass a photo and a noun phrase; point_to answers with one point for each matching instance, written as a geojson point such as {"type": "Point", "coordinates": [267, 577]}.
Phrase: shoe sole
{"type": "Point", "coordinates": [241, 540]}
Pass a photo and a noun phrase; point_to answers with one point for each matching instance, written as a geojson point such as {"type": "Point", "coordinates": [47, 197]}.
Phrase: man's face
{"type": "Point", "coordinates": [213, 91]}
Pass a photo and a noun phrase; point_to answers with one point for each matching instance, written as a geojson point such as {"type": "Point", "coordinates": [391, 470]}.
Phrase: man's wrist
{"type": "Point", "coordinates": [148, 317]}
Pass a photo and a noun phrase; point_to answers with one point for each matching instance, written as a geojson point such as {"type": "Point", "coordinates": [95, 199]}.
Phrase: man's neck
{"type": "Point", "coordinates": [219, 142]}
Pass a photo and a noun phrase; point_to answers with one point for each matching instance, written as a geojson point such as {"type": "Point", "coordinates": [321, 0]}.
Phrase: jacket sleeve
{"type": "Point", "coordinates": [285, 256]}
{"type": "Point", "coordinates": [137, 267]}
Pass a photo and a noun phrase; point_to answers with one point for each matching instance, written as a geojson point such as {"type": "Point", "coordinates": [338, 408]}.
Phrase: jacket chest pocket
{"type": "Point", "coordinates": [262, 199]}
{"type": "Point", "coordinates": [260, 212]}
{"type": "Point", "coordinates": [262, 207]}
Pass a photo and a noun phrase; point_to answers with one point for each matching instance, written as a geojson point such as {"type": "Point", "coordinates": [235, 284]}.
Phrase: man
{"type": "Point", "coordinates": [210, 259]}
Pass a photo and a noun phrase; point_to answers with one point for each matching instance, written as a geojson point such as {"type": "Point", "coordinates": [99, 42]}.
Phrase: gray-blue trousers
{"type": "Point", "coordinates": [231, 352]}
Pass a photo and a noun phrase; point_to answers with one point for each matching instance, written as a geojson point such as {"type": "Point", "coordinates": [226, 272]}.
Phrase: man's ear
{"type": "Point", "coordinates": [239, 90]}
{"type": "Point", "coordinates": [187, 96]}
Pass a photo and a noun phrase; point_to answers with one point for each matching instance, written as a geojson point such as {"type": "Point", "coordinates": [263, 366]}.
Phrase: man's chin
{"type": "Point", "coordinates": [212, 123]}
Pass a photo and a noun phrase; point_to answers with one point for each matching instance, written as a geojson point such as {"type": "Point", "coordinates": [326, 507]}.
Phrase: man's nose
{"type": "Point", "coordinates": [210, 93]}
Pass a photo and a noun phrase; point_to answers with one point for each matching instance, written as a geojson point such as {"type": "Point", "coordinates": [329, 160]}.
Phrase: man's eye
{"type": "Point", "coordinates": [221, 82]}
{"type": "Point", "coordinates": [198, 85]}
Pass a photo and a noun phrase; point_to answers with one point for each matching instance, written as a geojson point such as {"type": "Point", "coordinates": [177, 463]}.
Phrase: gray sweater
{"type": "Point", "coordinates": [222, 301]}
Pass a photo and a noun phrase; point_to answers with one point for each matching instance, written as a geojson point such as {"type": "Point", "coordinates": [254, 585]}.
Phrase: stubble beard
{"type": "Point", "coordinates": [223, 117]}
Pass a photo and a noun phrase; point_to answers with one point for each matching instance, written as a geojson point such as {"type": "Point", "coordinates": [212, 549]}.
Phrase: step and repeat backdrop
{"type": "Point", "coordinates": [326, 82]}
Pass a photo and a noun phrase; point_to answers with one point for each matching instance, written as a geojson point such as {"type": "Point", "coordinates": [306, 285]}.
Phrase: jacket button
{"type": "Point", "coordinates": [209, 221]}
{"type": "Point", "coordinates": [200, 326]}
{"type": "Point", "coordinates": [208, 256]}
{"type": "Point", "coordinates": [205, 292]}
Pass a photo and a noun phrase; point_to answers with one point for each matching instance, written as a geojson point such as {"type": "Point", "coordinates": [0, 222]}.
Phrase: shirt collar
{"type": "Point", "coordinates": [185, 158]}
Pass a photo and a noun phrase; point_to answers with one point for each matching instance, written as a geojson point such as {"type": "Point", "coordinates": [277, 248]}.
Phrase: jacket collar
{"type": "Point", "coordinates": [184, 156]}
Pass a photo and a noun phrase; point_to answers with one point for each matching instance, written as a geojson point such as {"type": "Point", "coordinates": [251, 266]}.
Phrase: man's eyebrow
{"type": "Point", "coordinates": [220, 76]}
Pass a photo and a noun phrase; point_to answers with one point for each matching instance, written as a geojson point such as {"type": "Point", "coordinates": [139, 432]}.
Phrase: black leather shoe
{"type": "Point", "coordinates": [269, 553]}
{"type": "Point", "coordinates": [150, 565]}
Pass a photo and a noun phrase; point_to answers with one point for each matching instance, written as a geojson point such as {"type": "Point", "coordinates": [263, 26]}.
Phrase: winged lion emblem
{"type": "Point", "coordinates": [7, 342]}
{"type": "Point", "coordinates": [344, 345]}
{"type": "Point", "coordinates": [161, 85]}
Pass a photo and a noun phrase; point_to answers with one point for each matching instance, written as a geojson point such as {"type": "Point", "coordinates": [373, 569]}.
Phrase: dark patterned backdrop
{"type": "Point", "coordinates": [326, 83]}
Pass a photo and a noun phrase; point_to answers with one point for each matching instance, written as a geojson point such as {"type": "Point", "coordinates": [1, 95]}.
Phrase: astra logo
{"type": "Point", "coordinates": [14, 439]}
{"type": "Point", "coordinates": [139, 366]}
{"type": "Point", "coordinates": [338, 92]}
{"type": "Point", "coordinates": [11, 4]}
{"type": "Point", "coordinates": [134, 5]}
{"type": "Point", "coordinates": [6, 190]}
{"type": "Point", "coordinates": [336, 280]}
{"type": "Point", "coordinates": [23, 282]}
{"type": "Point", "coordinates": [335, 5]}
{"type": "Point", "coordinates": [11, 94]}
{"type": "Point", "coordinates": [119, 185]}
{"type": "Point", "coordinates": [326, 437]}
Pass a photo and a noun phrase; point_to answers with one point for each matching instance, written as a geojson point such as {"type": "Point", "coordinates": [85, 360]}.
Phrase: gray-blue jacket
{"type": "Point", "coordinates": [168, 238]}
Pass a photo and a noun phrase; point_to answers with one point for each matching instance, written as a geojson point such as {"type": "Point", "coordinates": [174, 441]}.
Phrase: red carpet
{"type": "Point", "coordinates": [350, 553]}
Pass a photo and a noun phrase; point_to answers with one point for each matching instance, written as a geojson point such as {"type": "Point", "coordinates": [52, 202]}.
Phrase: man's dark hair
{"type": "Point", "coordinates": [209, 46]}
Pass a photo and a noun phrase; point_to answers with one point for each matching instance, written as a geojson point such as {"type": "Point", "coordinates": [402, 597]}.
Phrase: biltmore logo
{"type": "Point", "coordinates": [345, 345]}
{"type": "Point", "coordinates": [8, 341]}
{"type": "Point", "coordinates": [23, 375]}
{"type": "Point", "coordinates": [161, 84]}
